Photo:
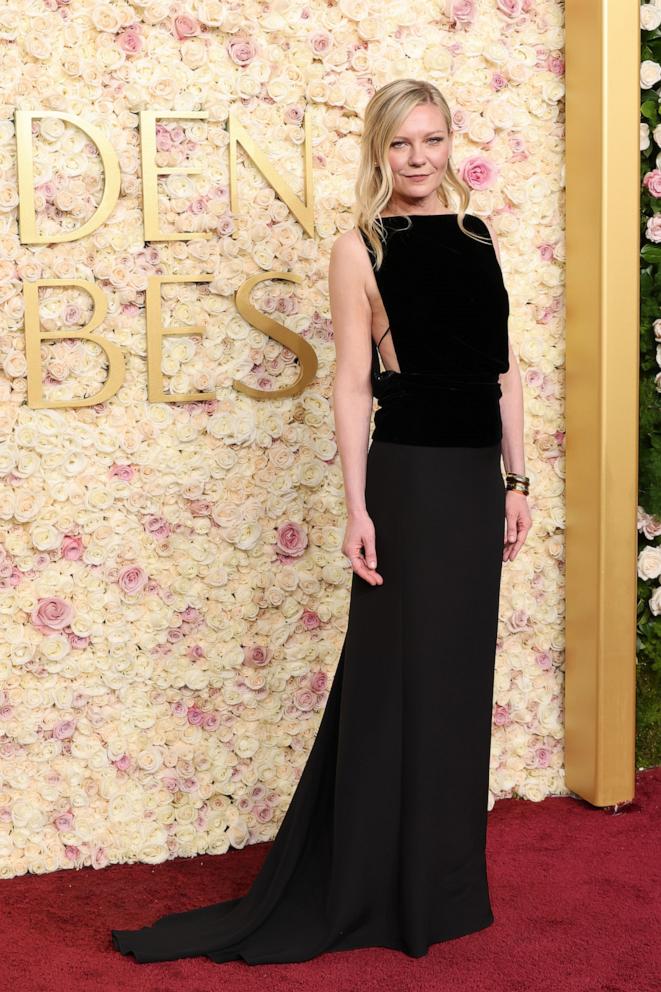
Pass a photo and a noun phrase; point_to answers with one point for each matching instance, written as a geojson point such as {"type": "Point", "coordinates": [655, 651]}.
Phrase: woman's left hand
{"type": "Point", "coordinates": [517, 523]}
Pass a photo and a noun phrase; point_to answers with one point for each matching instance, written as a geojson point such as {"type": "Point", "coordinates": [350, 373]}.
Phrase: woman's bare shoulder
{"type": "Point", "coordinates": [349, 256]}
{"type": "Point", "coordinates": [349, 244]}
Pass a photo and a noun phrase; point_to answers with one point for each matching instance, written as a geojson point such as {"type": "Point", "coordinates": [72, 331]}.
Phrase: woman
{"type": "Point", "coordinates": [383, 843]}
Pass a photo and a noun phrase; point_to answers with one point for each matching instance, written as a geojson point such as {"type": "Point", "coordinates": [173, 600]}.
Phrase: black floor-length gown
{"type": "Point", "coordinates": [383, 843]}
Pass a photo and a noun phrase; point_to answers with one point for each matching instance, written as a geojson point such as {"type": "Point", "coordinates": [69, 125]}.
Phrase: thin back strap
{"type": "Point", "coordinates": [383, 336]}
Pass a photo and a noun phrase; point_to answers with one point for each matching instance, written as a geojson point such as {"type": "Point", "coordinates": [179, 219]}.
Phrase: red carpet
{"type": "Point", "coordinates": [576, 893]}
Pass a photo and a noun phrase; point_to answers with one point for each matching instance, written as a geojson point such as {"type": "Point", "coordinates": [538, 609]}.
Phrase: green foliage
{"type": "Point", "coordinates": [648, 627]}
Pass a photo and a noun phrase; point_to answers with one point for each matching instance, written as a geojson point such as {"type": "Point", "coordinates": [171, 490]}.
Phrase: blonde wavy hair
{"type": "Point", "coordinates": [385, 111]}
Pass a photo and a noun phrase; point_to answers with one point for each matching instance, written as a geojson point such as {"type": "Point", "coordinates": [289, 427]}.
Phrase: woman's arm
{"type": "Point", "coordinates": [518, 520]}
{"type": "Point", "coordinates": [351, 316]}
{"type": "Point", "coordinates": [511, 402]}
{"type": "Point", "coordinates": [511, 412]}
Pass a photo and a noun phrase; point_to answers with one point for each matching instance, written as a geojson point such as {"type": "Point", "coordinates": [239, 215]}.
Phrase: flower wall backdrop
{"type": "Point", "coordinates": [648, 645]}
{"type": "Point", "coordinates": [172, 588]}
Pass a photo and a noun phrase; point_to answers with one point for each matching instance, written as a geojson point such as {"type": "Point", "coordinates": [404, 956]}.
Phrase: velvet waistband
{"type": "Point", "coordinates": [437, 408]}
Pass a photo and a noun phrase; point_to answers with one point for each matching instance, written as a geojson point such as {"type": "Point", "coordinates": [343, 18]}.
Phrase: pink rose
{"type": "Point", "coordinates": [305, 699]}
{"type": "Point", "coordinates": [196, 652]}
{"type": "Point", "coordinates": [534, 378]}
{"type": "Point", "coordinates": [64, 729]}
{"type": "Point", "coordinates": [518, 621]}
{"type": "Point", "coordinates": [191, 614]}
{"type": "Point", "coordinates": [556, 65]}
{"type": "Point", "coordinates": [225, 225]}
{"type": "Point", "coordinates": [51, 614]}
{"type": "Point", "coordinates": [321, 42]}
{"type": "Point", "coordinates": [211, 721]}
{"type": "Point", "coordinates": [511, 8]}
{"type": "Point", "coordinates": [99, 857]}
{"type": "Point", "coordinates": [185, 26]}
{"type": "Point", "coordinates": [13, 580]}
{"type": "Point", "coordinates": [47, 190]}
{"type": "Point", "coordinates": [653, 228]}
{"type": "Point", "coordinates": [478, 172]}
{"type": "Point", "coordinates": [286, 304]}
{"type": "Point", "coordinates": [310, 620]}
{"type": "Point", "coordinates": [291, 540]}
{"type": "Point", "coordinates": [158, 527]}
{"type": "Point", "coordinates": [132, 579]}
{"type": "Point", "coordinates": [123, 763]}
{"type": "Point", "coordinates": [130, 41]}
{"type": "Point", "coordinates": [501, 715]}
{"type": "Point", "coordinates": [263, 813]}
{"type": "Point", "coordinates": [544, 660]}
{"type": "Point", "coordinates": [652, 182]}
{"type": "Point", "coordinates": [319, 682]}
{"type": "Point", "coordinates": [163, 138]}
{"type": "Point", "coordinates": [498, 82]}
{"type": "Point", "coordinates": [72, 314]}
{"type": "Point", "coordinates": [198, 206]}
{"type": "Point", "coordinates": [242, 51]}
{"type": "Point", "coordinates": [462, 11]}
{"type": "Point", "coordinates": [256, 656]}
{"type": "Point", "coordinates": [77, 642]}
{"type": "Point", "coordinates": [72, 547]}
{"type": "Point", "coordinates": [123, 472]}
{"type": "Point", "coordinates": [195, 715]}
{"type": "Point", "coordinates": [64, 821]}
{"type": "Point", "coordinates": [294, 114]}
{"type": "Point", "coordinates": [543, 757]}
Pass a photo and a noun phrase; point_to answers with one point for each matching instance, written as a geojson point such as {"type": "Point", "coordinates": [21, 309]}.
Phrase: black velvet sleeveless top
{"type": "Point", "coordinates": [448, 311]}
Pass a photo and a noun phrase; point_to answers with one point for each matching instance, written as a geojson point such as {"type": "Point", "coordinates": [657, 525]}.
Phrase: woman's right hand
{"type": "Point", "coordinates": [359, 546]}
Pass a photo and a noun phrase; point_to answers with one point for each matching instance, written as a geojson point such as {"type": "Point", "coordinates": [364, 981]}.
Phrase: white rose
{"type": "Point", "coordinates": [650, 73]}
{"type": "Point", "coordinates": [649, 563]}
{"type": "Point", "coordinates": [650, 17]}
{"type": "Point", "coordinates": [532, 790]}
{"type": "Point", "coordinates": [654, 602]}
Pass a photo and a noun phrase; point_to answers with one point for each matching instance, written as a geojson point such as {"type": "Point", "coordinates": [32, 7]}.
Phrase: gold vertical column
{"type": "Point", "coordinates": [602, 365]}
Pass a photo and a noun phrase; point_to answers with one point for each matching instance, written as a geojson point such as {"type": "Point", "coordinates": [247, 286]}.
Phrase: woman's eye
{"type": "Point", "coordinates": [396, 144]}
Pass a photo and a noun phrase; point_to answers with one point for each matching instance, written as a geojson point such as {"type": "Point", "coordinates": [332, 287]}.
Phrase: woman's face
{"type": "Point", "coordinates": [420, 148]}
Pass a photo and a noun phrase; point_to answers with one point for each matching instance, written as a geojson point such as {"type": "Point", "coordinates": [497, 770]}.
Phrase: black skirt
{"type": "Point", "coordinates": [383, 843]}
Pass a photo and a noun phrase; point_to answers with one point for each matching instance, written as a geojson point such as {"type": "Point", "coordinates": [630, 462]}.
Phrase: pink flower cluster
{"type": "Point", "coordinates": [207, 719]}
{"type": "Point", "coordinates": [261, 802]}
